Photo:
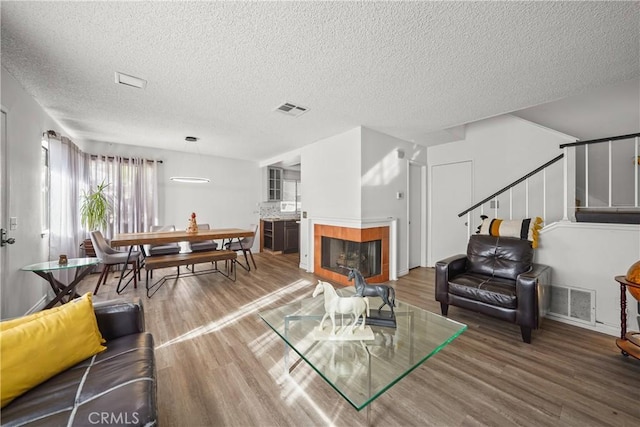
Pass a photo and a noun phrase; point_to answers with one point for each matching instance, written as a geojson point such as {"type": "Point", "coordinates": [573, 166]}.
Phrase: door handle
{"type": "Point", "coordinates": [3, 240]}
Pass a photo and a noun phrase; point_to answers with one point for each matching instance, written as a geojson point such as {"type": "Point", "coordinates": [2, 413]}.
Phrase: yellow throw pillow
{"type": "Point", "coordinates": [8, 324]}
{"type": "Point", "coordinates": [37, 349]}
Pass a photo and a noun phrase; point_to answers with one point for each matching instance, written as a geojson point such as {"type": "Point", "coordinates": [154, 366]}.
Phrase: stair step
{"type": "Point", "coordinates": [608, 216]}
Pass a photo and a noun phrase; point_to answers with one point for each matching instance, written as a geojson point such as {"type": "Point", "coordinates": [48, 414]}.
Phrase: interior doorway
{"type": "Point", "coordinates": [4, 183]}
{"type": "Point", "coordinates": [450, 193]}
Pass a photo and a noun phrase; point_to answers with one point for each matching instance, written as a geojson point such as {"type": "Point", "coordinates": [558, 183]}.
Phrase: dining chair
{"type": "Point", "coordinates": [111, 257]}
{"type": "Point", "coordinates": [206, 245]}
{"type": "Point", "coordinates": [165, 248]}
{"type": "Point", "coordinates": [245, 245]}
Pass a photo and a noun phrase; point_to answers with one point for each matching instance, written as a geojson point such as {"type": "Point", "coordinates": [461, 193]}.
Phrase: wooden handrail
{"type": "Point", "coordinates": [595, 141]}
{"type": "Point", "coordinates": [513, 184]}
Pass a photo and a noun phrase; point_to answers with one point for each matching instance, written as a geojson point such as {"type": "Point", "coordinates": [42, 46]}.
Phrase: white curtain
{"type": "Point", "coordinates": [67, 168]}
{"type": "Point", "coordinates": [132, 189]}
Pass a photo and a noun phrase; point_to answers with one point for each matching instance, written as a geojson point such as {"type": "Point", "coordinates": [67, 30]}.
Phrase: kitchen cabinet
{"type": "Point", "coordinates": [278, 235]}
{"type": "Point", "coordinates": [291, 236]}
{"type": "Point", "coordinates": [275, 184]}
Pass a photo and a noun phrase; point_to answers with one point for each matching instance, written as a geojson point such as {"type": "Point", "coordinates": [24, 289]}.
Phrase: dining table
{"type": "Point", "coordinates": [162, 237]}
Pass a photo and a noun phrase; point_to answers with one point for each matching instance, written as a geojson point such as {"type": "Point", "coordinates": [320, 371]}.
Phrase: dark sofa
{"type": "Point", "coordinates": [119, 388]}
{"type": "Point", "coordinates": [496, 277]}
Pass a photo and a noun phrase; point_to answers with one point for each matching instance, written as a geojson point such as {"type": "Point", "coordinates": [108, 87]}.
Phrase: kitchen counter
{"type": "Point", "coordinates": [281, 218]}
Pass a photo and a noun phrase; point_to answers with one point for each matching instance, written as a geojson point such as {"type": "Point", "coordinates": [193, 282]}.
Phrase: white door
{"type": "Point", "coordinates": [415, 215]}
{"type": "Point", "coordinates": [450, 193]}
{"type": "Point", "coordinates": [3, 207]}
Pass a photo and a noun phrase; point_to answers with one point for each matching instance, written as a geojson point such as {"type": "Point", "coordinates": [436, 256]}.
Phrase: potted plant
{"type": "Point", "coordinates": [94, 212]}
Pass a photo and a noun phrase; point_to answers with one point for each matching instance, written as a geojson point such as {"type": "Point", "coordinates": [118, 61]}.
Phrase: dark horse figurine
{"type": "Point", "coordinates": [385, 292]}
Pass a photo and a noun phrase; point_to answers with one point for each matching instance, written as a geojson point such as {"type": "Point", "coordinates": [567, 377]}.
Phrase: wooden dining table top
{"type": "Point", "coordinates": [160, 237]}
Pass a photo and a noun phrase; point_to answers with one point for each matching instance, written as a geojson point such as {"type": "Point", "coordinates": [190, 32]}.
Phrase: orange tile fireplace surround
{"type": "Point", "coordinates": [358, 235]}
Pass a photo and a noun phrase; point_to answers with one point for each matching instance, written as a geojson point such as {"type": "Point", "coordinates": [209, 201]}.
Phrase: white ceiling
{"type": "Point", "coordinates": [217, 70]}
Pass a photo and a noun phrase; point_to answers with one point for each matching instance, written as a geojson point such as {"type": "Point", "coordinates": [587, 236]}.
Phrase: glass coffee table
{"type": "Point", "coordinates": [361, 371]}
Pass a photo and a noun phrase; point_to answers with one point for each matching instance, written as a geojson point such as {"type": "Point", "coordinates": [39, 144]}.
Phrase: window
{"type": "Point", "coordinates": [290, 196]}
{"type": "Point", "coordinates": [44, 176]}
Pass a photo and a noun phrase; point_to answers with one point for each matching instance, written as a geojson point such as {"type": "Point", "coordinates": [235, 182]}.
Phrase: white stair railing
{"type": "Point", "coordinates": [563, 208]}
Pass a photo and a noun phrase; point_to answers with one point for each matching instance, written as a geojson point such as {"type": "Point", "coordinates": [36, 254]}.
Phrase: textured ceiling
{"type": "Point", "coordinates": [217, 70]}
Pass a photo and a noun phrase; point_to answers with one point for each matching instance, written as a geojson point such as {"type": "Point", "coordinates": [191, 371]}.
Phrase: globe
{"type": "Point", "coordinates": [633, 275]}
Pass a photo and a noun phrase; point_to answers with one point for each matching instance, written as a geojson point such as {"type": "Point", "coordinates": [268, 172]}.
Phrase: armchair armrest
{"type": "Point", "coordinates": [117, 318]}
{"type": "Point", "coordinates": [445, 269]}
{"type": "Point", "coordinates": [532, 295]}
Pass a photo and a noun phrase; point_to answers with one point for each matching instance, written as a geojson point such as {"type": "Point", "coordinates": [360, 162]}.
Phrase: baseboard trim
{"type": "Point", "coordinates": [599, 327]}
{"type": "Point", "coordinates": [38, 306]}
{"type": "Point", "coordinates": [403, 273]}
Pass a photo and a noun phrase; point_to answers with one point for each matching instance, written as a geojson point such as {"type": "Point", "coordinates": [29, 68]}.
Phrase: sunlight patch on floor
{"type": "Point", "coordinates": [264, 342]}
{"type": "Point", "coordinates": [239, 314]}
{"type": "Point", "coordinates": [295, 388]}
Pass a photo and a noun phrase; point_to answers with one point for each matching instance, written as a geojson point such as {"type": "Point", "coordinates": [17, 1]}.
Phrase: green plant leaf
{"type": "Point", "coordinates": [95, 207]}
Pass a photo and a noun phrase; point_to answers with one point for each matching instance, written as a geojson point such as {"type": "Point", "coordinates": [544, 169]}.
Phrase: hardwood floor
{"type": "Point", "coordinates": [220, 365]}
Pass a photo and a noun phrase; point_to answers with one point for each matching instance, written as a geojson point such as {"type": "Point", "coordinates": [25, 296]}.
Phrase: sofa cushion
{"type": "Point", "coordinates": [494, 291]}
{"type": "Point", "coordinates": [116, 386]}
{"type": "Point", "coordinates": [504, 257]}
{"type": "Point", "coordinates": [33, 351]}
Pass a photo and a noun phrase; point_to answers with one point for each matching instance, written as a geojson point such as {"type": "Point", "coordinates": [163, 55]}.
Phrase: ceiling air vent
{"type": "Point", "coordinates": [127, 80]}
{"type": "Point", "coordinates": [291, 109]}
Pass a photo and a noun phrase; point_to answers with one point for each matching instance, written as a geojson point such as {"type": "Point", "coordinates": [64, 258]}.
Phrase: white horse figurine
{"type": "Point", "coordinates": [357, 306]}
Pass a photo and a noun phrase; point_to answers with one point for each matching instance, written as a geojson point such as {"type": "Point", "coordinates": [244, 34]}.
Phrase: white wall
{"type": "Point", "coordinates": [330, 178]}
{"type": "Point", "coordinates": [230, 200]}
{"type": "Point", "coordinates": [26, 121]}
{"type": "Point", "coordinates": [383, 176]}
{"type": "Point", "coordinates": [355, 176]}
{"type": "Point", "coordinates": [502, 150]}
{"type": "Point", "coordinates": [589, 256]}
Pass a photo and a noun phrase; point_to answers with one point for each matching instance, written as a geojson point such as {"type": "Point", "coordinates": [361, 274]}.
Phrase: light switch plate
{"type": "Point", "coordinates": [13, 223]}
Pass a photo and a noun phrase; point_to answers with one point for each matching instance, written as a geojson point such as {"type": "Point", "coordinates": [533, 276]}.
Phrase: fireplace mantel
{"type": "Point", "coordinates": [357, 231]}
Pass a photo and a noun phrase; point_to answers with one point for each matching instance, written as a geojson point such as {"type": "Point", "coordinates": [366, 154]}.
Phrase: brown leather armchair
{"type": "Point", "coordinates": [496, 277]}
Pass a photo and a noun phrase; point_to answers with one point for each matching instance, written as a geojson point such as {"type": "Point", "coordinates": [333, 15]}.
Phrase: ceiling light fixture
{"type": "Point", "coordinates": [127, 80]}
{"type": "Point", "coordinates": [191, 179]}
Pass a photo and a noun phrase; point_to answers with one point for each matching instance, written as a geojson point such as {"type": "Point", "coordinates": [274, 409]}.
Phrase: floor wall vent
{"type": "Point", "coordinates": [574, 304]}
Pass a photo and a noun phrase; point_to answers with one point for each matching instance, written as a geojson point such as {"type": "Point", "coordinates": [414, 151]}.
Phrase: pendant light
{"type": "Point", "coordinates": [191, 179]}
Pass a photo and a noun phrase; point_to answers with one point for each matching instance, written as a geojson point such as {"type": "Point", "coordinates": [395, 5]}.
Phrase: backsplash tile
{"type": "Point", "coordinates": [272, 210]}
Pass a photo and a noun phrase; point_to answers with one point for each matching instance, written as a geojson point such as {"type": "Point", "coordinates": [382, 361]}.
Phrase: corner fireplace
{"type": "Point", "coordinates": [338, 248]}
{"type": "Point", "coordinates": [339, 255]}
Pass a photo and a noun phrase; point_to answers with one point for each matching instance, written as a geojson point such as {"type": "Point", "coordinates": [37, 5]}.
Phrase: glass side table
{"type": "Point", "coordinates": [45, 270]}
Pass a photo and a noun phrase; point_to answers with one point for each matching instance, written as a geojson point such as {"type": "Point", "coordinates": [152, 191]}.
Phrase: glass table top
{"type": "Point", "coordinates": [54, 265]}
{"type": "Point", "coordinates": [361, 371]}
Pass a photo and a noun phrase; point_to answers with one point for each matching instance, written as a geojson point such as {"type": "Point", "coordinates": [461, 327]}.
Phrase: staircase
{"type": "Point", "coordinates": [619, 170]}
{"type": "Point", "coordinates": [591, 226]}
